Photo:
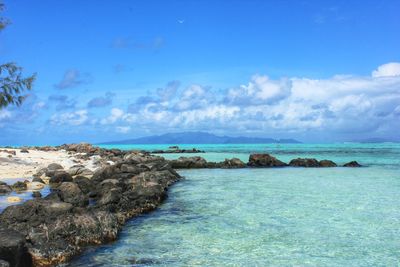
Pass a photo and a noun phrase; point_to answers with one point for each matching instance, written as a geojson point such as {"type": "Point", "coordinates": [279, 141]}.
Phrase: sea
{"type": "Point", "coordinates": [269, 217]}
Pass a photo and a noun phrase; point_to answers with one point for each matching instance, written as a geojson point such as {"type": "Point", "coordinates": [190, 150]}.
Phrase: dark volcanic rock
{"type": "Point", "coordinates": [58, 226]}
{"type": "Point", "coordinates": [352, 164]}
{"type": "Point", "coordinates": [71, 193]}
{"type": "Point", "coordinates": [19, 186]}
{"type": "Point", "coordinates": [233, 163]}
{"type": "Point", "coordinates": [36, 194]}
{"type": "Point", "coordinates": [306, 162]}
{"type": "Point", "coordinates": [23, 150]}
{"type": "Point", "coordinates": [60, 177]}
{"type": "Point", "coordinates": [84, 183]}
{"type": "Point", "coordinates": [264, 160]}
{"type": "Point", "coordinates": [189, 163]}
{"type": "Point", "coordinates": [5, 189]}
{"type": "Point", "coordinates": [13, 248]}
{"type": "Point", "coordinates": [327, 163]}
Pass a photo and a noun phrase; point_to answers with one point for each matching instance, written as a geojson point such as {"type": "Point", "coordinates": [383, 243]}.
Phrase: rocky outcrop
{"type": "Point", "coordinates": [264, 160]}
{"type": "Point", "coordinates": [327, 163]}
{"type": "Point", "coordinates": [13, 250]}
{"type": "Point", "coordinates": [19, 186]}
{"type": "Point", "coordinates": [233, 163]}
{"type": "Point", "coordinates": [352, 164]}
{"type": "Point", "coordinates": [189, 163]}
{"type": "Point", "coordinates": [176, 149]}
{"type": "Point", "coordinates": [53, 229]}
{"type": "Point", "coordinates": [5, 188]}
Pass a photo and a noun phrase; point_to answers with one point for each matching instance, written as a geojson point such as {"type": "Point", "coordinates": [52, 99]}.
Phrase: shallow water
{"type": "Point", "coordinates": [272, 217]}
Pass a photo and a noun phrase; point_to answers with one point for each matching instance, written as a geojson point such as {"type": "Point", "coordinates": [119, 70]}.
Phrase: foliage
{"type": "Point", "coordinates": [12, 83]}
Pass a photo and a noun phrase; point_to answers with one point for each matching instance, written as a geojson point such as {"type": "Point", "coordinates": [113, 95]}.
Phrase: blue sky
{"type": "Point", "coordinates": [317, 71]}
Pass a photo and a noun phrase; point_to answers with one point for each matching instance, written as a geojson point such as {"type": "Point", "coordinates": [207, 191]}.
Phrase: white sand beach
{"type": "Point", "coordinates": [24, 165]}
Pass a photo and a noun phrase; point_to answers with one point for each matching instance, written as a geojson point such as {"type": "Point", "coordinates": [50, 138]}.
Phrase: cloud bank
{"type": "Point", "coordinates": [343, 104]}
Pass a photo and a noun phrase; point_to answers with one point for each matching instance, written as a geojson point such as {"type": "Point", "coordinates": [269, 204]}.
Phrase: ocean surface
{"type": "Point", "coordinates": [270, 217]}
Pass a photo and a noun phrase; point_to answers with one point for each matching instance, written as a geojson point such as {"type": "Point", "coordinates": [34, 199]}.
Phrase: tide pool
{"type": "Point", "coordinates": [271, 217]}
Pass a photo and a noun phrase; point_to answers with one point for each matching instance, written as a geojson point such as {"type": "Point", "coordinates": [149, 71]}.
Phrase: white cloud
{"type": "Point", "coordinates": [387, 70]}
{"type": "Point", "coordinates": [123, 129]}
{"type": "Point", "coordinates": [4, 114]}
{"type": "Point", "coordinates": [75, 118]}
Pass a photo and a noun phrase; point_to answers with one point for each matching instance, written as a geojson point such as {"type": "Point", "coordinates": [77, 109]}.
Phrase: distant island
{"type": "Point", "coordinates": [200, 138]}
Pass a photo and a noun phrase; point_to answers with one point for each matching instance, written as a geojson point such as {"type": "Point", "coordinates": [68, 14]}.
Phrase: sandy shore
{"type": "Point", "coordinates": [24, 165]}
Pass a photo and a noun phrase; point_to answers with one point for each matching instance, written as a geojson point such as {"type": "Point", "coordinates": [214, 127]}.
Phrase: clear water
{"type": "Point", "coordinates": [23, 195]}
{"type": "Point", "coordinates": [271, 217]}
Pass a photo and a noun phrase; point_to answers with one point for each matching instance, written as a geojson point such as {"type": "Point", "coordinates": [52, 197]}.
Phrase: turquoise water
{"type": "Point", "coordinates": [271, 217]}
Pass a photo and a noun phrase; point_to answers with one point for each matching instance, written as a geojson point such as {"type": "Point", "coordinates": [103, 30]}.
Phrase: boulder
{"type": "Point", "coordinates": [5, 189]}
{"type": "Point", "coordinates": [19, 186]}
{"type": "Point", "coordinates": [60, 177]}
{"type": "Point", "coordinates": [189, 163]}
{"type": "Point", "coordinates": [264, 160]}
{"type": "Point", "coordinates": [304, 162]}
{"type": "Point", "coordinates": [232, 163]}
{"type": "Point", "coordinates": [84, 184]}
{"type": "Point", "coordinates": [36, 194]}
{"type": "Point", "coordinates": [24, 150]}
{"type": "Point", "coordinates": [13, 248]}
{"type": "Point", "coordinates": [327, 163]}
{"type": "Point", "coordinates": [80, 170]}
{"type": "Point", "coordinates": [71, 193]}
{"type": "Point", "coordinates": [52, 169]}
{"type": "Point", "coordinates": [352, 164]}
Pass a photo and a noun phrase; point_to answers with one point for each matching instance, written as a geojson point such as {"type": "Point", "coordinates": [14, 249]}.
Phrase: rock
{"type": "Point", "coordinates": [23, 150]}
{"type": "Point", "coordinates": [36, 194]}
{"type": "Point", "coordinates": [14, 199]}
{"type": "Point", "coordinates": [84, 184]}
{"type": "Point", "coordinates": [5, 189]}
{"type": "Point", "coordinates": [352, 164]}
{"type": "Point", "coordinates": [233, 163]}
{"type": "Point", "coordinates": [19, 186]}
{"type": "Point", "coordinates": [327, 163]}
{"type": "Point", "coordinates": [264, 160]}
{"type": "Point", "coordinates": [189, 163]}
{"type": "Point", "coordinates": [110, 196]}
{"type": "Point", "coordinates": [55, 166]}
{"type": "Point", "coordinates": [13, 249]}
{"type": "Point", "coordinates": [80, 170]}
{"type": "Point", "coordinates": [304, 162]}
{"type": "Point", "coordinates": [59, 226]}
{"type": "Point", "coordinates": [71, 193]}
{"type": "Point", "coordinates": [60, 177]}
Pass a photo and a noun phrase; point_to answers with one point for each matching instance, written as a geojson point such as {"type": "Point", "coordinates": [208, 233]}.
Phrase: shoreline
{"type": "Point", "coordinates": [88, 207]}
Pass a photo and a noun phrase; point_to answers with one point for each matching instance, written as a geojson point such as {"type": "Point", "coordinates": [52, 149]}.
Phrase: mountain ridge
{"type": "Point", "coordinates": [198, 138]}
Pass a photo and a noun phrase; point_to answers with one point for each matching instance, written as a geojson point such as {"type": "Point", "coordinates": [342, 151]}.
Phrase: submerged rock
{"type": "Point", "coordinates": [5, 189]}
{"type": "Point", "coordinates": [264, 160]}
{"type": "Point", "coordinates": [327, 163]}
{"type": "Point", "coordinates": [352, 164]}
{"type": "Point", "coordinates": [233, 163]}
{"type": "Point", "coordinates": [19, 186]}
{"type": "Point", "coordinates": [304, 162]}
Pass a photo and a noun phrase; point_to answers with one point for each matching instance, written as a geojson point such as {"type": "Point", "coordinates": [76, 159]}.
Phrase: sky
{"type": "Point", "coordinates": [316, 71]}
